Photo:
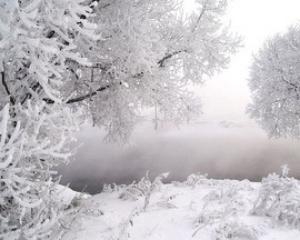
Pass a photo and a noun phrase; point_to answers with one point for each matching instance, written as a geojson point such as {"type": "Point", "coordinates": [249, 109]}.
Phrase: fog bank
{"type": "Point", "coordinates": [221, 150]}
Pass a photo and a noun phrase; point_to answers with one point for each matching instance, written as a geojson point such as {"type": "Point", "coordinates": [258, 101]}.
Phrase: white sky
{"type": "Point", "coordinates": [226, 96]}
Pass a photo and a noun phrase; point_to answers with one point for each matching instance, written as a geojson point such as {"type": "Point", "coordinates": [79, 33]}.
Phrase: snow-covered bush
{"type": "Point", "coordinates": [196, 179]}
{"type": "Point", "coordinates": [228, 199]}
{"type": "Point", "coordinates": [135, 190]}
{"type": "Point", "coordinates": [27, 154]}
{"type": "Point", "coordinates": [144, 188]}
{"type": "Point", "coordinates": [110, 188]}
{"type": "Point", "coordinates": [234, 230]}
{"type": "Point", "coordinates": [279, 199]}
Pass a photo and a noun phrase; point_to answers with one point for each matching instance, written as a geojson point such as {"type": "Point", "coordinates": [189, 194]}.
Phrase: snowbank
{"type": "Point", "coordinates": [199, 208]}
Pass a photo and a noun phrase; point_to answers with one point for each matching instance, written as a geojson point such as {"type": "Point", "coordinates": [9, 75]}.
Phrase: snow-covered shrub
{"type": "Point", "coordinates": [136, 189]}
{"type": "Point", "coordinates": [196, 179]}
{"type": "Point", "coordinates": [109, 188]}
{"type": "Point", "coordinates": [139, 189]}
{"type": "Point", "coordinates": [209, 216]}
{"type": "Point", "coordinates": [144, 188]}
{"type": "Point", "coordinates": [92, 209]}
{"type": "Point", "coordinates": [229, 193]}
{"type": "Point", "coordinates": [279, 199]}
{"type": "Point", "coordinates": [234, 230]}
{"type": "Point", "coordinates": [228, 199]}
{"type": "Point", "coordinates": [69, 198]}
{"type": "Point", "coordinates": [27, 154]}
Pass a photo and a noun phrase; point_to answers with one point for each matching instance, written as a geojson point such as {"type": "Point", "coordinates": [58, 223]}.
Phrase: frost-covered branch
{"type": "Point", "coordinates": [27, 153]}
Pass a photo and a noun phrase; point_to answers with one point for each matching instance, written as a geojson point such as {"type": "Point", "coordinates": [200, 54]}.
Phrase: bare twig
{"type": "Point", "coordinates": [4, 83]}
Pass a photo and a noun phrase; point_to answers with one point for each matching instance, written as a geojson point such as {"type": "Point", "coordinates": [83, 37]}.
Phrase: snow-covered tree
{"type": "Point", "coordinates": [137, 54]}
{"type": "Point", "coordinates": [275, 85]}
{"type": "Point", "coordinates": [149, 55]}
{"type": "Point", "coordinates": [34, 134]}
{"type": "Point", "coordinates": [106, 59]}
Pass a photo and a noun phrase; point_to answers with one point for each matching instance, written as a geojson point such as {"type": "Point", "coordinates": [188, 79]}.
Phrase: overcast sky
{"type": "Point", "coordinates": [226, 96]}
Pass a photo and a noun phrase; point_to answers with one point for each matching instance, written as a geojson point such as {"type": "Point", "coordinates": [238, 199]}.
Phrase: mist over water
{"type": "Point", "coordinates": [220, 150]}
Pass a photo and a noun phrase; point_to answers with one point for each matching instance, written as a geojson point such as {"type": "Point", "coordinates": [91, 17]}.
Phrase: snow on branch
{"type": "Point", "coordinates": [27, 153]}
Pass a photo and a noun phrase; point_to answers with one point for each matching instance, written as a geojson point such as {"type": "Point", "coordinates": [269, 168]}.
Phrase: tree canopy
{"type": "Point", "coordinates": [275, 86]}
{"type": "Point", "coordinates": [112, 58]}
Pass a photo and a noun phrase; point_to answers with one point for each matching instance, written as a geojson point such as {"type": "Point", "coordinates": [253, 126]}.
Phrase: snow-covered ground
{"type": "Point", "coordinates": [199, 208]}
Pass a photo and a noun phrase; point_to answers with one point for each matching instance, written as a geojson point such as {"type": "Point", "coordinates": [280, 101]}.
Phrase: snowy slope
{"type": "Point", "coordinates": [196, 209]}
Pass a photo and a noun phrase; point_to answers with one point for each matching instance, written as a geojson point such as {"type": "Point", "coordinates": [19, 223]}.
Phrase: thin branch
{"type": "Point", "coordinates": [28, 95]}
{"type": "Point", "coordinates": [80, 98]}
{"type": "Point", "coordinates": [161, 63]}
{"type": "Point", "coordinates": [11, 98]}
{"type": "Point", "coordinates": [203, 10]}
{"type": "Point", "coordinates": [87, 96]}
{"type": "Point", "coordinates": [4, 83]}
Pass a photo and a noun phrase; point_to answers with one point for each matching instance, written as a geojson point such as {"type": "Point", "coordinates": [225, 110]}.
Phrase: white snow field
{"type": "Point", "coordinates": [198, 208]}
